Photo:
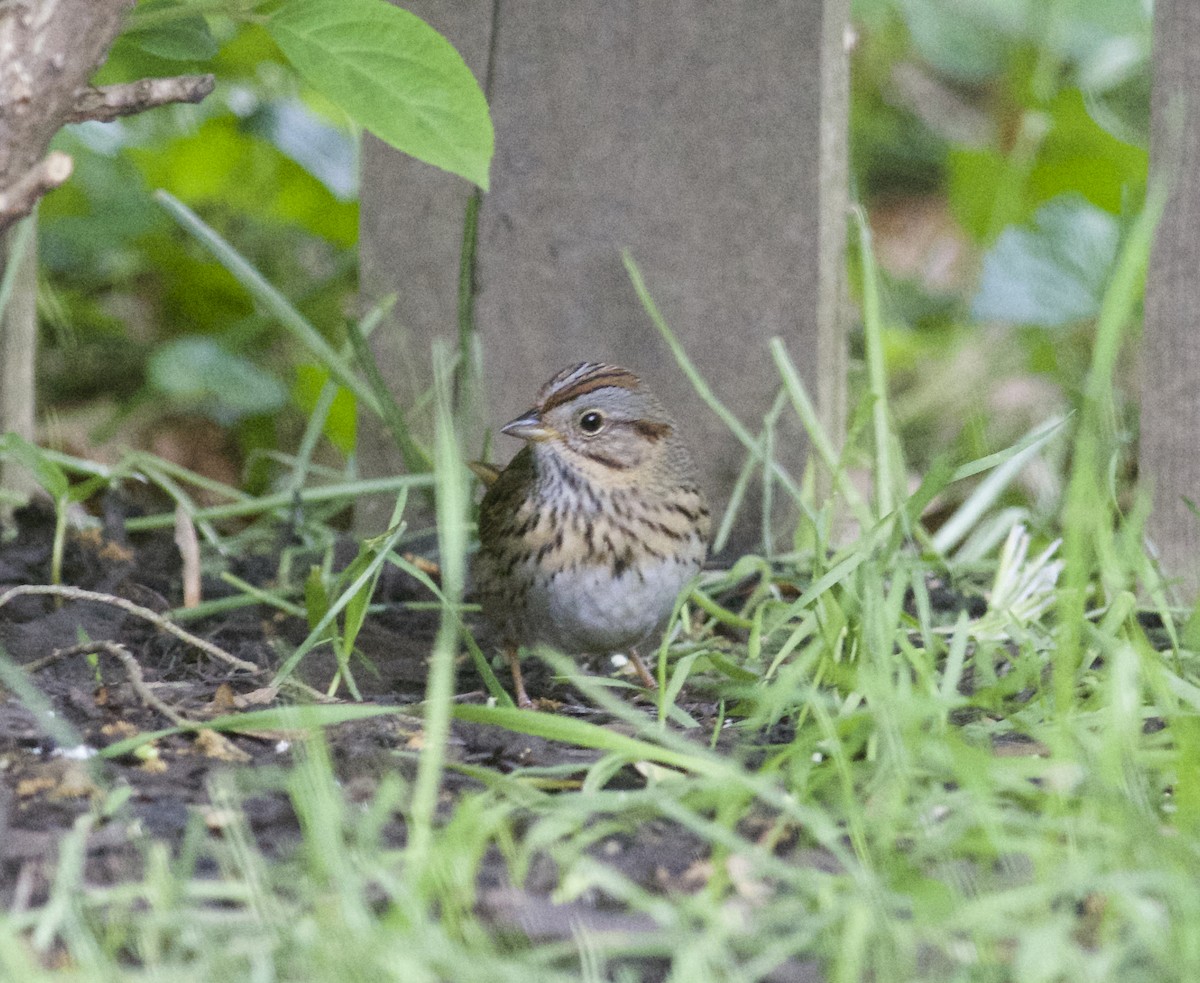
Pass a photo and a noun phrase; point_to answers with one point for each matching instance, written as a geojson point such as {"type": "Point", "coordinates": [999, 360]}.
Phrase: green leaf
{"type": "Point", "coordinates": [316, 597]}
{"type": "Point", "coordinates": [1052, 273]}
{"type": "Point", "coordinates": [48, 475]}
{"type": "Point", "coordinates": [395, 75]}
{"type": "Point", "coordinates": [973, 177]}
{"type": "Point", "coordinates": [1079, 155]}
{"type": "Point", "coordinates": [198, 373]}
{"type": "Point", "coordinates": [177, 36]}
{"type": "Point", "coordinates": [967, 42]}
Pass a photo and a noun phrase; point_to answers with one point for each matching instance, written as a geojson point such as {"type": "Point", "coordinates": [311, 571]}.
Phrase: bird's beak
{"type": "Point", "coordinates": [528, 426]}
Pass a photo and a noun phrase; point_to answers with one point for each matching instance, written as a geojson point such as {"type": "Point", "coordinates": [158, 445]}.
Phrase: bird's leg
{"type": "Point", "coordinates": [643, 673]}
{"type": "Point", "coordinates": [514, 665]}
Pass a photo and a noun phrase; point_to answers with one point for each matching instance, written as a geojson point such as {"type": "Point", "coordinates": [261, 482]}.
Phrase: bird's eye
{"type": "Point", "coordinates": [591, 422]}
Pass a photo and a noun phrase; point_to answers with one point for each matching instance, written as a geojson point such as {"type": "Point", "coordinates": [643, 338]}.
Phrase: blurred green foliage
{"type": "Point", "coordinates": [267, 162]}
{"type": "Point", "coordinates": [1028, 122]}
{"type": "Point", "coordinates": [139, 312]}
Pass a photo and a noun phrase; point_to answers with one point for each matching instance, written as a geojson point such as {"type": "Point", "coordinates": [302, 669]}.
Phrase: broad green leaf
{"type": "Point", "coordinates": [395, 75]}
{"type": "Point", "coordinates": [968, 42]}
{"type": "Point", "coordinates": [171, 32]}
{"type": "Point", "coordinates": [200, 374]}
{"type": "Point", "coordinates": [1052, 273]}
{"type": "Point", "coordinates": [973, 177]}
{"type": "Point", "coordinates": [1079, 155]}
{"type": "Point", "coordinates": [232, 164]}
{"type": "Point", "coordinates": [49, 475]}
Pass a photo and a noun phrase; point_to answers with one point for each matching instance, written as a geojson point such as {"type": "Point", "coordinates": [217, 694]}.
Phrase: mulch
{"type": "Point", "coordinates": [50, 776]}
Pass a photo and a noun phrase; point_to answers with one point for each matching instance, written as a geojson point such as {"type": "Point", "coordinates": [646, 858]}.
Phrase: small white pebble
{"type": "Point", "coordinates": [282, 746]}
{"type": "Point", "coordinates": [80, 753]}
{"type": "Point", "coordinates": [818, 757]}
{"type": "Point", "coordinates": [619, 660]}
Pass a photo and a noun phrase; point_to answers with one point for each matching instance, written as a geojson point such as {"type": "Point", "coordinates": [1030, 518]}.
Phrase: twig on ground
{"type": "Point", "coordinates": [108, 102]}
{"type": "Point", "coordinates": [132, 669]}
{"type": "Point", "coordinates": [189, 551]}
{"type": "Point", "coordinates": [78, 594]}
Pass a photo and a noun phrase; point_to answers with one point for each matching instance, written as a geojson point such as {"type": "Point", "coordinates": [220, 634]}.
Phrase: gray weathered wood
{"type": "Point", "coordinates": [48, 49]}
{"type": "Point", "coordinates": [1169, 462]}
{"type": "Point", "coordinates": [18, 347]}
{"type": "Point", "coordinates": [707, 139]}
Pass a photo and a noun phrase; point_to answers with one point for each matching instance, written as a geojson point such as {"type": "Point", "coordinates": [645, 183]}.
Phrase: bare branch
{"type": "Point", "coordinates": [77, 594]}
{"type": "Point", "coordinates": [133, 670]}
{"type": "Point", "coordinates": [108, 102]}
{"type": "Point", "coordinates": [18, 199]}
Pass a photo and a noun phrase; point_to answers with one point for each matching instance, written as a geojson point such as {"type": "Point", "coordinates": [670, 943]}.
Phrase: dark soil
{"type": "Point", "coordinates": [50, 776]}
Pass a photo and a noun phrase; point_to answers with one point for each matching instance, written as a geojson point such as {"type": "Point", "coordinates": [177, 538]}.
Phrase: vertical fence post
{"type": "Point", "coordinates": [1169, 455]}
{"type": "Point", "coordinates": [709, 140]}
{"type": "Point", "coordinates": [18, 351]}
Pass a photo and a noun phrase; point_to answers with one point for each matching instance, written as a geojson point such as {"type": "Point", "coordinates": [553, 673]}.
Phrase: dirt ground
{"type": "Point", "coordinates": [47, 783]}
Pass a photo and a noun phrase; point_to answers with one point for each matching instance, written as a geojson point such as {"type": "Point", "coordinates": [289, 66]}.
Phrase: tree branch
{"type": "Point", "coordinates": [108, 102]}
{"type": "Point", "coordinates": [18, 199]}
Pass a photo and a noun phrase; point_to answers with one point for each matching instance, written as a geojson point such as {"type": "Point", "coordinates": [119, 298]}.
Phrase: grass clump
{"type": "Point", "coordinates": [970, 753]}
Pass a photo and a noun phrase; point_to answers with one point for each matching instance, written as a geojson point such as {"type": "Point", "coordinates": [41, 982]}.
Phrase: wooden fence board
{"type": "Point", "coordinates": [707, 139]}
{"type": "Point", "coordinates": [1169, 456]}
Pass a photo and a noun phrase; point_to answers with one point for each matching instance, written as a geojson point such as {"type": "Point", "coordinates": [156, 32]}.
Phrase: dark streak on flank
{"type": "Point", "coordinates": [687, 513]}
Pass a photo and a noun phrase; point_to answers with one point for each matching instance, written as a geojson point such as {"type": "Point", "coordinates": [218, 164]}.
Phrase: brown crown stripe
{"type": "Point", "coordinates": [604, 377]}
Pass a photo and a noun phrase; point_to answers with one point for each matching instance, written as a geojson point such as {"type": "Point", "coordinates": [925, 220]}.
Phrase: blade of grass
{"type": "Point", "coordinates": [16, 248]}
{"type": "Point", "coordinates": [493, 685]}
{"type": "Point", "coordinates": [1087, 513]}
{"type": "Point", "coordinates": [887, 472]}
{"type": "Point", "coordinates": [1010, 463]}
{"type": "Point", "coordinates": [1038, 435]}
{"type": "Point", "coordinates": [297, 719]}
{"type": "Point", "coordinates": [320, 414]}
{"type": "Point", "coordinates": [15, 679]}
{"type": "Point", "coordinates": [581, 733]}
{"type": "Point", "coordinates": [416, 458]}
{"type": "Point", "coordinates": [464, 379]}
{"type": "Point", "coordinates": [262, 291]}
{"type": "Point", "coordinates": [817, 436]}
{"type": "Point", "coordinates": [737, 496]}
{"type": "Point", "coordinates": [452, 503]}
{"type": "Point", "coordinates": [350, 491]}
{"type": "Point", "coordinates": [317, 634]}
{"type": "Point", "coordinates": [703, 389]}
